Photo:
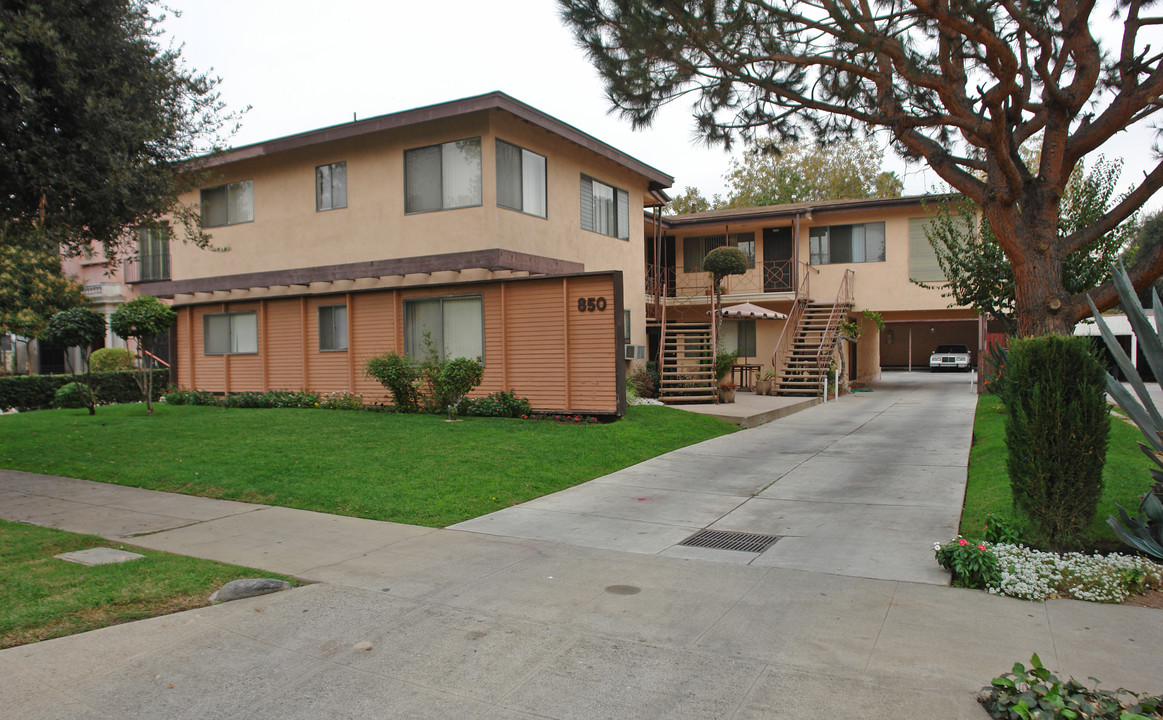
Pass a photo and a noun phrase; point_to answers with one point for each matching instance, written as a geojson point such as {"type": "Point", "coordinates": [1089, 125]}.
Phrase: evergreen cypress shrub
{"type": "Point", "coordinates": [1056, 433]}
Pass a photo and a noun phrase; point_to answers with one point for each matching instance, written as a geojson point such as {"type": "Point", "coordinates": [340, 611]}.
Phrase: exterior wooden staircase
{"type": "Point", "coordinates": [688, 370]}
{"type": "Point", "coordinates": [812, 344]}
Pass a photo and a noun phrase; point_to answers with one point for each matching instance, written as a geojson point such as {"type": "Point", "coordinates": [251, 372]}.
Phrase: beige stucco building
{"type": "Point", "coordinates": [485, 225]}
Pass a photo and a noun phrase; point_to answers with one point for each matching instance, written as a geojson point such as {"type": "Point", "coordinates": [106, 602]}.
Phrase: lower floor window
{"type": "Point", "coordinates": [332, 327]}
{"type": "Point", "coordinates": [233, 333]}
{"type": "Point", "coordinates": [739, 337]}
{"type": "Point", "coordinates": [449, 327]}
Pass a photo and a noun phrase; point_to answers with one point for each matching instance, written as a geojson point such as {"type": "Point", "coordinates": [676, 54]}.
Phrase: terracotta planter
{"type": "Point", "coordinates": [726, 394]}
{"type": "Point", "coordinates": [762, 387]}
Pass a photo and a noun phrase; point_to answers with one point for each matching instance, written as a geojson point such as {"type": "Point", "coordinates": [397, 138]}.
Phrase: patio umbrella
{"type": "Point", "coordinates": [750, 311]}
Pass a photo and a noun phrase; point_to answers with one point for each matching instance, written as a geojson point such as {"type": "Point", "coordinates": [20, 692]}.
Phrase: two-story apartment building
{"type": "Point", "coordinates": [818, 263]}
{"type": "Point", "coordinates": [480, 227]}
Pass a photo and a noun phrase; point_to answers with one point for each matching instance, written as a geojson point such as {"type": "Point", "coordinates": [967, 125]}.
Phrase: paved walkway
{"type": "Point", "coordinates": [416, 622]}
{"type": "Point", "coordinates": [860, 487]}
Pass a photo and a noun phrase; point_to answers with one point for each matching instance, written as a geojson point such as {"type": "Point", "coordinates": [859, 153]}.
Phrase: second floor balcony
{"type": "Point", "coordinates": [693, 285]}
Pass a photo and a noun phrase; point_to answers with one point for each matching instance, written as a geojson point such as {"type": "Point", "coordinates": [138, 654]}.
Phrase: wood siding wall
{"type": "Point", "coordinates": [536, 342]}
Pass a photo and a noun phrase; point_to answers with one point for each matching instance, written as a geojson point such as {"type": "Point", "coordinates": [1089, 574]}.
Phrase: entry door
{"type": "Point", "coordinates": [778, 260]}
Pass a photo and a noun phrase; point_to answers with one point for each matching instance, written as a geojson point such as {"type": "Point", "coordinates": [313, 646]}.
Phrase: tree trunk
{"type": "Point", "coordinates": [1030, 240]}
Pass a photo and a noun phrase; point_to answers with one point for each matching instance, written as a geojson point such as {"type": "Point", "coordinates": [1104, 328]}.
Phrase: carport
{"type": "Point", "coordinates": [908, 344]}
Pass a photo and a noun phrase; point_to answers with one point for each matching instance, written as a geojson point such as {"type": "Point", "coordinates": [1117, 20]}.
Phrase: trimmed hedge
{"type": "Point", "coordinates": [38, 392]}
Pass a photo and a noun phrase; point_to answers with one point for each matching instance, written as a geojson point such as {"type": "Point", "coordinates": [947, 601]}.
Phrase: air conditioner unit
{"type": "Point", "coordinates": [635, 352]}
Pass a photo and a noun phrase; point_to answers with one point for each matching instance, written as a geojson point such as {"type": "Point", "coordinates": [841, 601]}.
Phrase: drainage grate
{"type": "Point", "coordinates": [722, 540]}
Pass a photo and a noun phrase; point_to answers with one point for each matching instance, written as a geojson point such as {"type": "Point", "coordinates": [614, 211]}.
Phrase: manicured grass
{"type": "Point", "coordinates": [42, 597]}
{"type": "Point", "coordinates": [416, 469]}
{"type": "Point", "coordinates": [1126, 474]}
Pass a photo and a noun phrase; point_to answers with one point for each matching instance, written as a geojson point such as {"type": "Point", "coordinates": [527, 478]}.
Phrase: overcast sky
{"type": "Point", "coordinates": [302, 66]}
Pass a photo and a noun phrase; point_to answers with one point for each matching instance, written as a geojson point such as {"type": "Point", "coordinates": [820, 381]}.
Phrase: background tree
{"type": "Point", "coordinates": [960, 85]}
{"type": "Point", "coordinates": [978, 272]}
{"type": "Point", "coordinates": [98, 122]}
{"type": "Point", "coordinates": [143, 319]}
{"type": "Point", "coordinates": [32, 288]}
{"type": "Point", "coordinates": [777, 174]}
{"type": "Point", "coordinates": [690, 201]}
{"type": "Point", "coordinates": [82, 328]}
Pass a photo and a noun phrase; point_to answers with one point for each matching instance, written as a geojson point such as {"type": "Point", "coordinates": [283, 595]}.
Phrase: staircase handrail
{"type": "Point", "coordinates": [156, 359]}
{"type": "Point", "coordinates": [793, 320]}
{"type": "Point", "coordinates": [843, 300]}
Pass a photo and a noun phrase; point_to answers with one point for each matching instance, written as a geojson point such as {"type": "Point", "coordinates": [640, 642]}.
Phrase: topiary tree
{"type": "Point", "coordinates": [455, 379]}
{"type": "Point", "coordinates": [1056, 433]}
{"type": "Point", "coordinates": [142, 319]}
{"type": "Point", "coordinates": [82, 328]}
{"type": "Point", "coordinates": [721, 262]}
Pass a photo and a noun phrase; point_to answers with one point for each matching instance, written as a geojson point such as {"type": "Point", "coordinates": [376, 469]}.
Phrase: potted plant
{"type": "Point", "coordinates": [763, 384]}
{"type": "Point", "coordinates": [727, 392]}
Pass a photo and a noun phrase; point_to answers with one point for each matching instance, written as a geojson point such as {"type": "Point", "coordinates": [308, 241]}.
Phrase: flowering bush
{"type": "Point", "coordinates": [182, 396]}
{"type": "Point", "coordinates": [972, 564]}
{"type": "Point", "coordinates": [341, 400]}
{"type": "Point", "coordinates": [503, 403]}
{"type": "Point", "coordinates": [564, 419]}
{"type": "Point", "coordinates": [1018, 571]}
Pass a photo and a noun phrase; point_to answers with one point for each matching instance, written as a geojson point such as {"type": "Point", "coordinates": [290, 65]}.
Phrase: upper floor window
{"type": "Point", "coordinates": [332, 327]}
{"type": "Point", "coordinates": [694, 249]}
{"type": "Point", "coordinates": [520, 179]}
{"type": "Point", "coordinates": [153, 253]}
{"type": "Point", "coordinates": [331, 186]}
{"type": "Point", "coordinates": [605, 209]}
{"type": "Point", "coordinates": [228, 204]}
{"type": "Point", "coordinates": [442, 177]}
{"type": "Point", "coordinates": [834, 244]}
{"type": "Point", "coordinates": [234, 333]}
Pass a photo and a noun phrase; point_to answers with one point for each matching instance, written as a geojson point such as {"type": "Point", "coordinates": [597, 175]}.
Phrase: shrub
{"type": "Point", "coordinates": [642, 383]}
{"type": "Point", "coordinates": [724, 361]}
{"type": "Point", "coordinates": [448, 381]}
{"type": "Point", "coordinates": [181, 396]}
{"type": "Point", "coordinates": [271, 399]}
{"type": "Point", "coordinates": [996, 358]}
{"type": "Point", "coordinates": [341, 400]}
{"type": "Point", "coordinates": [400, 375]}
{"type": "Point", "coordinates": [73, 395]}
{"type": "Point", "coordinates": [38, 392]}
{"type": "Point", "coordinates": [143, 318]}
{"type": "Point", "coordinates": [1056, 433]}
{"type": "Point", "coordinates": [504, 403]}
{"type": "Point", "coordinates": [111, 360]}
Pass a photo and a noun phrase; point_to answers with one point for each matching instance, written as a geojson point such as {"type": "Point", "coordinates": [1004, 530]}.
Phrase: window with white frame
{"type": "Point", "coordinates": [450, 327]}
{"type": "Point", "coordinates": [836, 244]}
{"type": "Point", "coordinates": [520, 179]}
{"type": "Point", "coordinates": [605, 209]}
{"type": "Point", "coordinates": [443, 177]}
{"type": "Point", "coordinates": [332, 328]}
{"type": "Point", "coordinates": [233, 333]}
{"type": "Point", "coordinates": [331, 186]}
{"type": "Point", "coordinates": [228, 204]}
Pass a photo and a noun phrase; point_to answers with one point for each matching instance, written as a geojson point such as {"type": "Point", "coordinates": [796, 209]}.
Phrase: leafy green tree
{"type": "Point", "coordinates": [690, 201]}
{"type": "Point", "coordinates": [777, 174]}
{"type": "Point", "coordinates": [978, 272]}
{"type": "Point", "coordinates": [32, 287]}
{"type": "Point", "coordinates": [82, 328]}
{"type": "Point", "coordinates": [98, 121]}
{"type": "Point", "coordinates": [143, 319]}
{"type": "Point", "coordinates": [961, 86]}
{"type": "Point", "coordinates": [721, 262]}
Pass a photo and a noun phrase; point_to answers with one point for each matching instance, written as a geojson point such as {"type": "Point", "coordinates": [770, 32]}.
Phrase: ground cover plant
{"type": "Point", "coordinates": [408, 468]}
{"type": "Point", "coordinates": [1036, 693]}
{"type": "Point", "coordinates": [42, 597]}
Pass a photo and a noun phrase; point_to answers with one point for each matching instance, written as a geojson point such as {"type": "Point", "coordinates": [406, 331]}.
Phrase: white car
{"type": "Point", "coordinates": [950, 357]}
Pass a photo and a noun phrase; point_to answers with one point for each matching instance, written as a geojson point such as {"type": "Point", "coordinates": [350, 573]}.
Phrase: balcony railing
{"type": "Point", "coordinates": [148, 268]}
{"type": "Point", "coordinates": [769, 276]}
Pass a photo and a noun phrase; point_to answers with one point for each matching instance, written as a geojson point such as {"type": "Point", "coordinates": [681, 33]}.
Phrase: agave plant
{"type": "Point", "coordinates": [1146, 531]}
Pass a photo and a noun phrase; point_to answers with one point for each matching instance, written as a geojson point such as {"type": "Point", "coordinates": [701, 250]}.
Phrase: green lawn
{"type": "Point", "coordinates": [42, 597]}
{"type": "Point", "coordinates": [416, 469]}
{"type": "Point", "coordinates": [1126, 474]}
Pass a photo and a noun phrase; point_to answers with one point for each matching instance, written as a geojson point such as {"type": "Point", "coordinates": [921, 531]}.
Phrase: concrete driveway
{"type": "Point", "coordinates": [862, 486]}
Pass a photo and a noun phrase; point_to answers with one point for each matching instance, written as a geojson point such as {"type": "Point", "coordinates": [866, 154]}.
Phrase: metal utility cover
{"type": "Point", "coordinates": [726, 540]}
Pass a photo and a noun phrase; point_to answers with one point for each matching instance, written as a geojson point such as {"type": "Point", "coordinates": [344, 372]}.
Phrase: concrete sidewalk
{"type": "Point", "coordinates": [417, 622]}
